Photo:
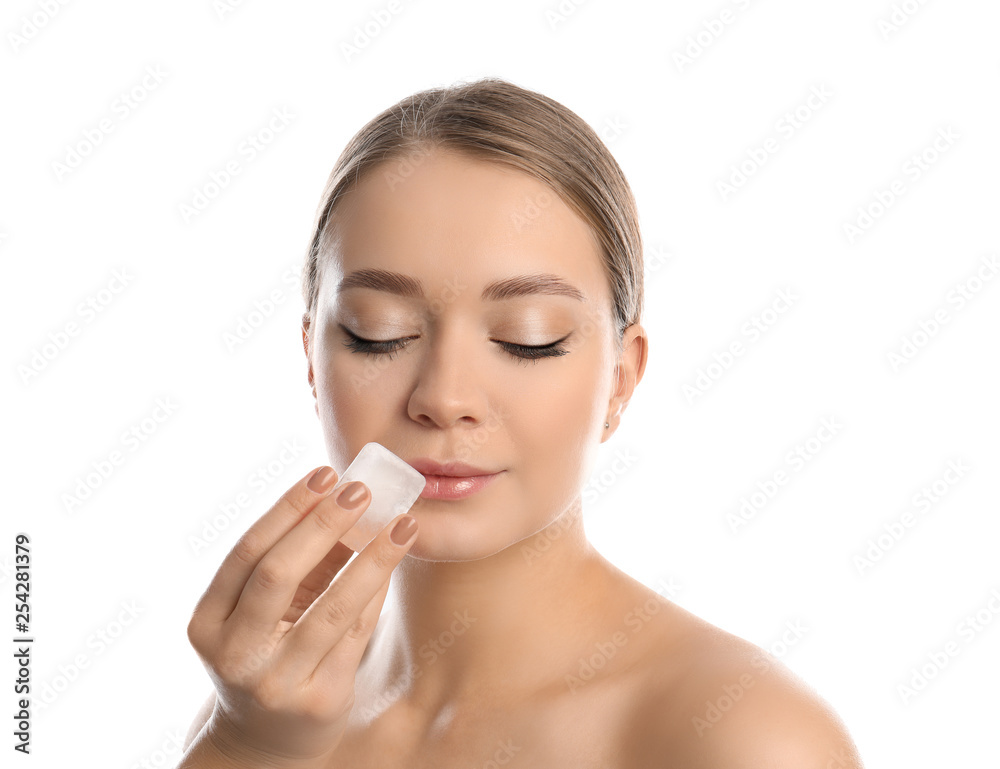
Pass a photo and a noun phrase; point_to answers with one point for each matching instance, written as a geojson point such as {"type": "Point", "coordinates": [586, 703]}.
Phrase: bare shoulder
{"type": "Point", "coordinates": [711, 699]}
{"type": "Point", "coordinates": [747, 709]}
{"type": "Point", "coordinates": [703, 697]}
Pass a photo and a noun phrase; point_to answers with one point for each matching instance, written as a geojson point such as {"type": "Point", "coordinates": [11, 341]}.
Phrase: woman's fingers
{"type": "Point", "coordinates": [341, 662]}
{"type": "Point", "coordinates": [317, 581]}
{"type": "Point", "coordinates": [273, 583]}
{"type": "Point", "coordinates": [223, 593]}
{"type": "Point", "coordinates": [278, 570]}
{"type": "Point", "coordinates": [335, 620]}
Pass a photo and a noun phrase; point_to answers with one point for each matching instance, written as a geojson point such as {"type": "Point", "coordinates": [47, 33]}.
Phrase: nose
{"type": "Point", "coordinates": [448, 390]}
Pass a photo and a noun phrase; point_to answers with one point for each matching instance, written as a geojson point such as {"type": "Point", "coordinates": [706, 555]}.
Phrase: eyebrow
{"type": "Point", "coordinates": [507, 288]}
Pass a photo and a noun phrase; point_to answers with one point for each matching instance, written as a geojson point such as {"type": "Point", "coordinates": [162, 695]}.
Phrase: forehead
{"type": "Point", "coordinates": [444, 216]}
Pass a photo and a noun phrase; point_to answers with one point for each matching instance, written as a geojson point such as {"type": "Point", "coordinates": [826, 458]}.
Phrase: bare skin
{"type": "Point", "coordinates": [506, 637]}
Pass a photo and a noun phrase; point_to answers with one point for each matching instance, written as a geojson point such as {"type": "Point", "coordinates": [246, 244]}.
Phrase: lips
{"type": "Point", "coordinates": [453, 469]}
{"type": "Point", "coordinates": [452, 480]}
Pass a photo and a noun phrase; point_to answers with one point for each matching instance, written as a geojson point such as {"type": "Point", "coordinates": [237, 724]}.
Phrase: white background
{"type": "Point", "coordinates": [714, 262]}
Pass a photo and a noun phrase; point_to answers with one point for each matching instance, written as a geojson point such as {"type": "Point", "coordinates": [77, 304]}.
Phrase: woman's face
{"type": "Point", "coordinates": [463, 261]}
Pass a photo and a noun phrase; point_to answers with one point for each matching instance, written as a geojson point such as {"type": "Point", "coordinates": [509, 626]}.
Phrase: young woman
{"type": "Point", "coordinates": [473, 291]}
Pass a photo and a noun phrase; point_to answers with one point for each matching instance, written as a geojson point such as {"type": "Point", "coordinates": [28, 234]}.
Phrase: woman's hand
{"type": "Point", "coordinates": [281, 643]}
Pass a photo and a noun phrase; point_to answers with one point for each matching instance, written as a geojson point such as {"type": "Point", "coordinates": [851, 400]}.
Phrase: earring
{"type": "Point", "coordinates": [605, 425]}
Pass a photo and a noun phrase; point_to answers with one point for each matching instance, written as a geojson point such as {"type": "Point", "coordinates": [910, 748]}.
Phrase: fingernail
{"type": "Point", "coordinates": [404, 530]}
{"type": "Point", "coordinates": [321, 480]}
{"type": "Point", "coordinates": [351, 495]}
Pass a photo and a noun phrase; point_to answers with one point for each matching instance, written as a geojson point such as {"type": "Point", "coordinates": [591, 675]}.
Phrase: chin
{"type": "Point", "coordinates": [431, 548]}
{"type": "Point", "coordinates": [464, 537]}
{"type": "Point", "coordinates": [472, 534]}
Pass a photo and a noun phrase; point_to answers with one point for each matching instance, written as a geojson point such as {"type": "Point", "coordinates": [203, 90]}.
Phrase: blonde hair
{"type": "Point", "coordinates": [492, 119]}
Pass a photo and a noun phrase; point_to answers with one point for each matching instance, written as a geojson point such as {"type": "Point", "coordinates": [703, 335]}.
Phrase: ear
{"type": "Point", "coordinates": [306, 324]}
{"type": "Point", "coordinates": [628, 372]}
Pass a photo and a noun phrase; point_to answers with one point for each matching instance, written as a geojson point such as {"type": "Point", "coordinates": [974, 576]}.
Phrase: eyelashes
{"type": "Point", "coordinates": [520, 352]}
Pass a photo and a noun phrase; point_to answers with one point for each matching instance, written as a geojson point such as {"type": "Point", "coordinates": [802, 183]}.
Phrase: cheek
{"type": "Point", "coordinates": [356, 377]}
{"type": "Point", "coordinates": [354, 391]}
{"type": "Point", "coordinates": [563, 398]}
{"type": "Point", "coordinates": [561, 418]}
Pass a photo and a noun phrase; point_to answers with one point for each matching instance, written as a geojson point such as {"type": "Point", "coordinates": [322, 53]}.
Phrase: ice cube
{"type": "Point", "coordinates": [394, 487]}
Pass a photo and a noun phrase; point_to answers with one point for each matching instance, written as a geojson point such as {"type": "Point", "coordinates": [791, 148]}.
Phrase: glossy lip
{"type": "Point", "coordinates": [451, 480]}
{"type": "Point", "coordinates": [454, 469]}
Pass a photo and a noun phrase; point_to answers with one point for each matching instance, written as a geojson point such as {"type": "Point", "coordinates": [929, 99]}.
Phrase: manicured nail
{"type": "Point", "coordinates": [321, 480]}
{"type": "Point", "coordinates": [351, 495]}
{"type": "Point", "coordinates": [404, 530]}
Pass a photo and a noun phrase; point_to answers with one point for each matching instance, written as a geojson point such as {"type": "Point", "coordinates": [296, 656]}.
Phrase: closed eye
{"type": "Point", "coordinates": [533, 353]}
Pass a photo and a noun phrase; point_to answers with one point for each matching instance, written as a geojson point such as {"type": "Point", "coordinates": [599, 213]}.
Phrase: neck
{"type": "Point", "coordinates": [454, 629]}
